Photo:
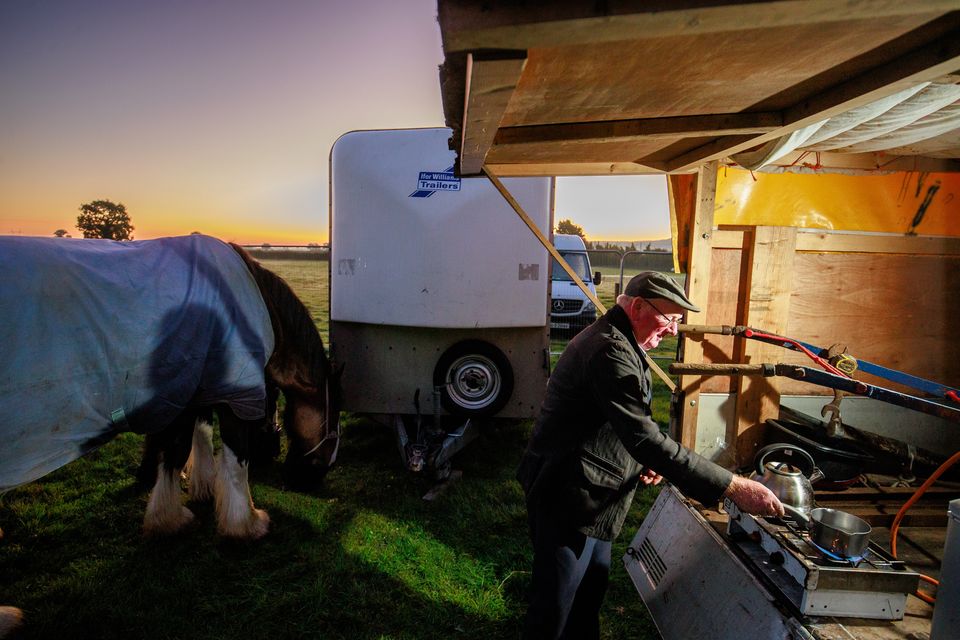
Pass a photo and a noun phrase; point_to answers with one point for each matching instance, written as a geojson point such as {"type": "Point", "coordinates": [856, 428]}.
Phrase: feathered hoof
{"type": "Point", "coordinates": [10, 619]}
{"type": "Point", "coordinates": [167, 524]}
{"type": "Point", "coordinates": [253, 528]}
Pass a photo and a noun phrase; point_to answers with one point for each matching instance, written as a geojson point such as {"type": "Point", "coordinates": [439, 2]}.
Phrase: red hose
{"type": "Point", "coordinates": [903, 511]}
{"type": "Point", "coordinates": [753, 333]}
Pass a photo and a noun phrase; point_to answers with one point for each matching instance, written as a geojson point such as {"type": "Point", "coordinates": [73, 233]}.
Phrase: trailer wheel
{"type": "Point", "coordinates": [475, 377]}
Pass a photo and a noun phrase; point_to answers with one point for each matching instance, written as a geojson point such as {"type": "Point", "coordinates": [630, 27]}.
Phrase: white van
{"type": "Point", "coordinates": [570, 309]}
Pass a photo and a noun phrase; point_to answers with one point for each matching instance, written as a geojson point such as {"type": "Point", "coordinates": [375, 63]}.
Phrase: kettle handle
{"type": "Point", "coordinates": [790, 449]}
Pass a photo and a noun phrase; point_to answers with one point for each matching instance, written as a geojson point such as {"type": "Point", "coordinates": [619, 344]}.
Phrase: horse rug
{"type": "Point", "coordinates": [101, 337]}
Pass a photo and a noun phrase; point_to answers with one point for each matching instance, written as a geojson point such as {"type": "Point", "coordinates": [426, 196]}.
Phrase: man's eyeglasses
{"type": "Point", "coordinates": [670, 321]}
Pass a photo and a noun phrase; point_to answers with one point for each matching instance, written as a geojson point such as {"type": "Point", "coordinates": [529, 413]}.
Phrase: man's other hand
{"type": "Point", "coordinates": [650, 477]}
{"type": "Point", "coordinates": [752, 497]}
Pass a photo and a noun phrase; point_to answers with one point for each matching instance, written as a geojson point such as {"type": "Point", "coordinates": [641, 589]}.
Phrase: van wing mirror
{"type": "Point", "coordinates": [597, 277]}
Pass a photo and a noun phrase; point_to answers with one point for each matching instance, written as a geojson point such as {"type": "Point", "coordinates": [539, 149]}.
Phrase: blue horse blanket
{"type": "Point", "coordinates": [100, 337]}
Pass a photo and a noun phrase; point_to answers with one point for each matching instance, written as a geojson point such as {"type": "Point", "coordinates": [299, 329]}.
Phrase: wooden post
{"type": "Point", "coordinates": [698, 282]}
{"type": "Point", "coordinates": [769, 259]}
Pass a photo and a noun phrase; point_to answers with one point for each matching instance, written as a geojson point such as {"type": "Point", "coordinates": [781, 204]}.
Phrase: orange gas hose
{"type": "Point", "coordinates": [903, 511]}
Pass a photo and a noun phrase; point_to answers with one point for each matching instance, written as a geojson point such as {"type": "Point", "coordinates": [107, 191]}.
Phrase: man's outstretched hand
{"type": "Point", "coordinates": [752, 497]}
{"type": "Point", "coordinates": [650, 477]}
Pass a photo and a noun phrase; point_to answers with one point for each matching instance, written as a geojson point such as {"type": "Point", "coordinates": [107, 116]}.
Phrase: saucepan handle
{"type": "Point", "coordinates": [800, 516]}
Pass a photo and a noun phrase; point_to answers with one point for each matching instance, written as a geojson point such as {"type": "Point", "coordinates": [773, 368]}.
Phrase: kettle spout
{"type": "Point", "coordinates": [816, 476]}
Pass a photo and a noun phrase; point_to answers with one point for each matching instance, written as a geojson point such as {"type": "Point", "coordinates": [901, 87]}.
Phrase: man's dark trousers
{"type": "Point", "coordinates": [570, 574]}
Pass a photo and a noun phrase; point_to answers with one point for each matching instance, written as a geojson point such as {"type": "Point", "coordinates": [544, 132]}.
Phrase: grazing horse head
{"type": "Point", "coordinates": [311, 389]}
{"type": "Point", "coordinates": [312, 420]}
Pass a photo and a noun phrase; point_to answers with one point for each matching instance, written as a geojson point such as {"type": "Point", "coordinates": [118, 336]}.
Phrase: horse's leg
{"type": "Point", "coordinates": [165, 513]}
{"type": "Point", "coordinates": [147, 471]}
{"type": "Point", "coordinates": [201, 467]}
{"type": "Point", "coordinates": [265, 441]}
{"type": "Point", "coordinates": [236, 515]}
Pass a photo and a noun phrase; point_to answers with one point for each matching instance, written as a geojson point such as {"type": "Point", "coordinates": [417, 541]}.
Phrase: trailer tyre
{"type": "Point", "coordinates": [475, 377]}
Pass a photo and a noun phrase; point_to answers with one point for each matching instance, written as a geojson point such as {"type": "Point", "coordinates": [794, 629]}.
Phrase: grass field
{"type": "Point", "coordinates": [364, 557]}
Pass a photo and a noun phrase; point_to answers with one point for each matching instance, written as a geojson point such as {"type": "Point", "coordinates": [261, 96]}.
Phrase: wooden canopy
{"type": "Point", "coordinates": [620, 87]}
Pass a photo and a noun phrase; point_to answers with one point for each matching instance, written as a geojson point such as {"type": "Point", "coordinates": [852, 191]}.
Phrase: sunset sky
{"type": "Point", "coordinates": [218, 116]}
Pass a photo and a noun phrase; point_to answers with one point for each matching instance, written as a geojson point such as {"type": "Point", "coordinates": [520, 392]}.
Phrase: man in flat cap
{"type": "Point", "coordinates": [594, 442]}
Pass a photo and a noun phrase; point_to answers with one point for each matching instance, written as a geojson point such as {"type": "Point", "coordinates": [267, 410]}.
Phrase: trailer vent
{"type": "Point", "coordinates": [651, 562]}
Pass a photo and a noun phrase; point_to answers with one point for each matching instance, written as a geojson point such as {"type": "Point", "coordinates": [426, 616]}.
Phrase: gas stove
{"type": "Point", "coordinates": [816, 582]}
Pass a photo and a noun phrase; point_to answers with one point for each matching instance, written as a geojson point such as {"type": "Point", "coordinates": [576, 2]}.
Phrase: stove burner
{"type": "Point", "coordinates": [853, 561]}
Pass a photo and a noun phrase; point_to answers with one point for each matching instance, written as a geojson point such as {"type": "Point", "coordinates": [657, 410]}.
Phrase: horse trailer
{"type": "Point", "coordinates": [439, 293]}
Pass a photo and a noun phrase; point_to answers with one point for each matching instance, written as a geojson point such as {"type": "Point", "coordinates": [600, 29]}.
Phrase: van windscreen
{"type": "Point", "coordinates": [577, 261]}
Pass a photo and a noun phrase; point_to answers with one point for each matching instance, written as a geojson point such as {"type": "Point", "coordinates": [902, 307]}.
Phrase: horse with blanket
{"type": "Point", "coordinates": [103, 337]}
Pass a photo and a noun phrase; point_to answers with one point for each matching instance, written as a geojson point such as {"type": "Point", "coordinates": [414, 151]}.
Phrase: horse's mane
{"type": "Point", "coordinates": [292, 325]}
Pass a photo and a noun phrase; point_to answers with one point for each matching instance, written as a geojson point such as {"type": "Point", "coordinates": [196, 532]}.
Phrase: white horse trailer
{"type": "Point", "coordinates": [438, 291]}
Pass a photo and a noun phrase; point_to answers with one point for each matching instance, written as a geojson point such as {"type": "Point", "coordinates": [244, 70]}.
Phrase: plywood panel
{"type": "Point", "coordinates": [895, 310]}
{"type": "Point", "coordinates": [771, 257]}
{"type": "Point", "coordinates": [898, 311]}
{"type": "Point", "coordinates": [725, 301]}
{"type": "Point", "coordinates": [667, 76]}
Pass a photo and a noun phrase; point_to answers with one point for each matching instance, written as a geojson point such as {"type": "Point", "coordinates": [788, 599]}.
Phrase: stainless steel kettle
{"type": "Point", "coordinates": [789, 472]}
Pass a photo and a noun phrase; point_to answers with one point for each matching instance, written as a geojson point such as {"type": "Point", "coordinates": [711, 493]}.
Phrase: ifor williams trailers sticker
{"type": "Point", "coordinates": [429, 182]}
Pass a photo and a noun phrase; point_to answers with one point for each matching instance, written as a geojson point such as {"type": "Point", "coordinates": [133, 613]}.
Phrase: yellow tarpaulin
{"type": "Point", "coordinates": [920, 203]}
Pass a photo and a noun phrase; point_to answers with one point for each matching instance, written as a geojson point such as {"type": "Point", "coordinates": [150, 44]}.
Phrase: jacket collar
{"type": "Point", "coordinates": [617, 317]}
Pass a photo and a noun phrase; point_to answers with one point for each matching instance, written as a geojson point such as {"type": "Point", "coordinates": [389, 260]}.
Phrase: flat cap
{"type": "Point", "coordinates": [651, 284]}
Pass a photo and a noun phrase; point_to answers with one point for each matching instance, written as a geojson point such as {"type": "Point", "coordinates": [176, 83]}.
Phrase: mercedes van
{"type": "Point", "coordinates": [570, 309]}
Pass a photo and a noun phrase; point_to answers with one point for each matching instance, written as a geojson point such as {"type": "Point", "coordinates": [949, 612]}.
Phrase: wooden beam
{"type": "Point", "coordinates": [577, 151]}
{"type": "Point", "coordinates": [768, 286]}
{"type": "Point", "coordinates": [698, 282]}
{"type": "Point", "coordinates": [847, 242]}
{"type": "Point", "coordinates": [930, 61]}
{"type": "Point", "coordinates": [491, 81]}
{"type": "Point", "coordinates": [721, 124]}
{"type": "Point", "coordinates": [475, 25]}
{"type": "Point", "coordinates": [532, 169]}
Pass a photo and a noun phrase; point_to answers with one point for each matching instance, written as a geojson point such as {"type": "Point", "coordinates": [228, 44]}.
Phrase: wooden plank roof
{"type": "Point", "coordinates": [591, 88]}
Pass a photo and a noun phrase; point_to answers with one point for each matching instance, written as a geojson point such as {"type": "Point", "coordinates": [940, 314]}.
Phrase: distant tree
{"type": "Point", "coordinates": [567, 226]}
{"type": "Point", "coordinates": [104, 219]}
{"type": "Point", "coordinates": [61, 233]}
{"type": "Point", "coordinates": [265, 246]}
{"type": "Point", "coordinates": [195, 233]}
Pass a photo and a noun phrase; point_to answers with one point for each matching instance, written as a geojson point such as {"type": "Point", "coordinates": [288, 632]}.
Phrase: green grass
{"type": "Point", "coordinates": [363, 557]}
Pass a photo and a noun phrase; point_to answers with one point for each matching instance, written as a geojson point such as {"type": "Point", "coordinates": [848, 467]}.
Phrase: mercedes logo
{"type": "Point", "coordinates": [558, 305]}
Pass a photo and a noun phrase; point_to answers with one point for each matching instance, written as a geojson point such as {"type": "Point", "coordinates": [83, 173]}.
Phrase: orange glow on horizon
{"type": "Point", "coordinates": [248, 234]}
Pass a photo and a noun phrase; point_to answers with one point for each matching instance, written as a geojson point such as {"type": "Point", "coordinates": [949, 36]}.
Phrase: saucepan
{"type": "Point", "coordinates": [838, 532]}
